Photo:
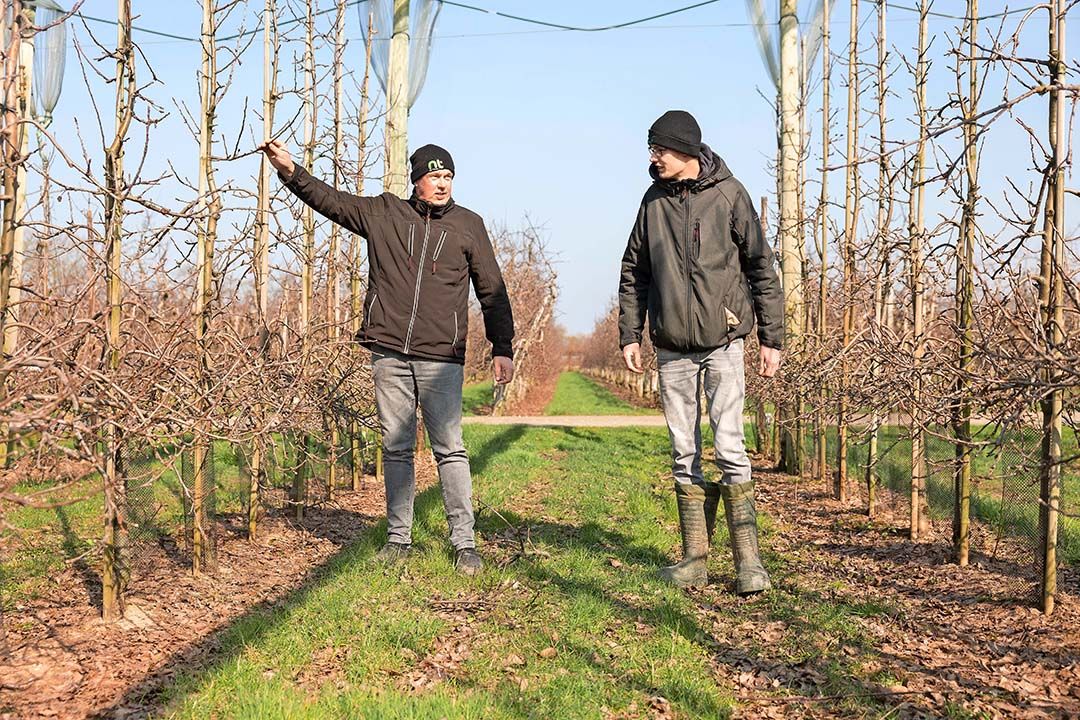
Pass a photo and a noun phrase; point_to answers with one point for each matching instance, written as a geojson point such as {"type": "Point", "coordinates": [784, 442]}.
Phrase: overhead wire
{"type": "Point", "coordinates": [552, 26]}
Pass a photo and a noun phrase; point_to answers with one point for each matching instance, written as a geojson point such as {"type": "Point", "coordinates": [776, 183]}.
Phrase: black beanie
{"type": "Point", "coordinates": [430, 158]}
{"type": "Point", "coordinates": [677, 130]}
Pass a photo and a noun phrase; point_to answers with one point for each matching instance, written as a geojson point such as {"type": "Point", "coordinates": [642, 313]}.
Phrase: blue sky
{"type": "Point", "coordinates": [548, 124]}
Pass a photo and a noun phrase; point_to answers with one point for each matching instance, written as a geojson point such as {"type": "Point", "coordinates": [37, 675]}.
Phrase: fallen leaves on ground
{"type": "Point", "coordinates": [950, 637]}
{"type": "Point", "coordinates": [64, 662]}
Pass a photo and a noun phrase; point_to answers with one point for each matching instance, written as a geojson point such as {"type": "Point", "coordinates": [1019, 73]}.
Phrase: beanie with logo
{"type": "Point", "coordinates": [427, 159]}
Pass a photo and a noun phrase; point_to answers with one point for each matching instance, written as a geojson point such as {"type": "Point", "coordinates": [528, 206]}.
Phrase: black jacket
{"type": "Point", "coordinates": [421, 259]}
{"type": "Point", "coordinates": [698, 263]}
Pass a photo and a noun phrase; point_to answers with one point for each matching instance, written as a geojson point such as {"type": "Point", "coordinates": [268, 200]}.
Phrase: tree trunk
{"type": "Point", "coordinates": [14, 131]}
{"type": "Point", "coordinates": [920, 509]}
{"type": "Point", "coordinates": [822, 226]}
{"type": "Point", "coordinates": [1052, 295]}
{"type": "Point", "coordinates": [791, 253]}
{"type": "Point", "coordinates": [965, 291]}
{"type": "Point", "coordinates": [333, 295]}
{"type": "Point", "coordinates": [356, 300]}
{"type": "Point", "coordinates": [851, 213]}
{"type": "Point", "coordinates": [202, 559]}
{"type": "Point", "coordinates": [261, 254]}
{"type": "Point", "coordinates": [307, 268]}
{"type": "Point", "coordinates": [114, 573]}
{"type": "Point", "coordinates": [881, 260]}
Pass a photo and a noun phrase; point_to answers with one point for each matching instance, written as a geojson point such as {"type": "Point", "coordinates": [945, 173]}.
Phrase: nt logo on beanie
{"type": "Point", "coordinates": [429, 158]}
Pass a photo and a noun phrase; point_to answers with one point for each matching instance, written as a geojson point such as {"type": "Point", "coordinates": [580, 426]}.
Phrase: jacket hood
{"type": "Point", "coordinates": [713, 170]}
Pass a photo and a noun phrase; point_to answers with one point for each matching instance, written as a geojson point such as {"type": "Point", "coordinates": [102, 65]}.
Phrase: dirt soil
{"type": "Point", "coordinates": [63, 662]}
{"type": "Point", "coordinates": [952, 637]}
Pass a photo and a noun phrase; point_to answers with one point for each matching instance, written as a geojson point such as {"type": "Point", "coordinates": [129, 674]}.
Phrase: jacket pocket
{"type": "Point", "coordinates": [438, 251]}
{"type": "Point", "coordinates": [453, 344]}
{"type": "Point", "coordinates": [697, 240]}
{"type": "Point", "coordinates": [370, 309]}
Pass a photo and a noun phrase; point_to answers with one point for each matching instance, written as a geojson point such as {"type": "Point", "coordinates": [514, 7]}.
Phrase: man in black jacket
{"type": "Point", "coordinates": [698, 265]}
{"type": "Point", "coordinates": [422, 253]}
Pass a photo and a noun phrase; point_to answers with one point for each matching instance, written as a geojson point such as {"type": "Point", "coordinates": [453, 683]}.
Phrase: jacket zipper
{"type": "Point", "coordinates": [371, 305]}
{"type": "Point", "coordinates": [686, 257]}
{"type": "Point", "coordinates": [419, 276]}
{"type": "Point", "coordinates": [438, 251]}
{"type": "Point", "coordinates": [454, 344]}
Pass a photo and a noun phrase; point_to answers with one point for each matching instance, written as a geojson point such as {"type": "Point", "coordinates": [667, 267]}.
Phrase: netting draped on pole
{"type": "Point", "coordinates": [767, 32]}
{"type": "Point", "coordinates": [422, 17]}
{"type": "Point", "coordinates": [50, 51]}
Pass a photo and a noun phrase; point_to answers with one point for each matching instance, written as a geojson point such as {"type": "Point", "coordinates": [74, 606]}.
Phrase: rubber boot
{"type": "Point", "coordinates": [750, 574]}
{"type": "Point", "coordinates": [691, 571]}
{"type": "Point", "coordinates": [712, 502]}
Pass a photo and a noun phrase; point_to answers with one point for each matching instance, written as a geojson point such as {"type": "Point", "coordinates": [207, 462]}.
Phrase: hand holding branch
{"type": "Point", "coordinates": [279, 157]}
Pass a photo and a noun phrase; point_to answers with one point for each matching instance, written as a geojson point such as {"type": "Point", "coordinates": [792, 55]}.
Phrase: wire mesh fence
{"type": "Point", "coordinates": [173, 502]}
{"type": "Point", "coordinates": [1004, 498]}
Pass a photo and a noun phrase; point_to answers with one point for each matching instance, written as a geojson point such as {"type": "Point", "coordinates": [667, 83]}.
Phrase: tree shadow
{"type": "Point", "coordinates": [73, 551]}
{"type": "Point", "coordinates": [667, 615]}
{"type": "Point", "coordinates": [144, 698]}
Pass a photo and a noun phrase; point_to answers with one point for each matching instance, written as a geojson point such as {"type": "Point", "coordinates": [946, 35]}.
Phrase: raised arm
{"type": "Point", "coordinates": [350, 211]}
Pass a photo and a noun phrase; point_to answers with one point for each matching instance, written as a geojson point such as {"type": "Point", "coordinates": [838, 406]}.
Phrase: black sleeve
{"type": "Point", "coordinates": [487, 281]}
{"type": "Point", "coordinates": [352, 212]}
{"type": "Point", "coordinates": [758, 265]}
{"type": "Point", "coordinates": [634, 281]}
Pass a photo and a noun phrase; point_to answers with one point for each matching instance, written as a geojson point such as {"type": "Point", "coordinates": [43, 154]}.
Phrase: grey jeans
{"type": "Point", "coordinates": [681, 378]}
{"type": "Point", "coordinates": [400, 382]}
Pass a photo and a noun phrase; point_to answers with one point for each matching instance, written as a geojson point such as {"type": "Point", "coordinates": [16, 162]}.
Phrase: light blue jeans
{"type": "Point", "coordinates": [401, 381]}
{"type": "Point", "coordinates": [682, 376]}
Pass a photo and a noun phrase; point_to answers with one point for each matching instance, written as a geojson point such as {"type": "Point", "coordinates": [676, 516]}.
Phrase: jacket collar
{"type": "Point", "coordinates": [427, 210]}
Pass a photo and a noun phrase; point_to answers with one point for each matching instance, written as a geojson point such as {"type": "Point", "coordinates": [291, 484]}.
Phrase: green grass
{"type": "Point", "coordinates": [476, 398]}
{"type": "Point", "coordinates": [1006, 478]}
{"type": "Point", "coordinates": [578, 628]}
{"type": "Point", "coordinates": [42, 541]}
{"type": "Point", "coordinates": [576, 394]}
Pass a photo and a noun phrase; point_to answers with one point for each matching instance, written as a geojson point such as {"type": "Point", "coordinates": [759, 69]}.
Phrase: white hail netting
{"type": "Point", "coordinates": [768, 37]}
{"type": "Point", "coordinates": [50, 52]}
{"type": "Point", "coordinates": [422, 17]}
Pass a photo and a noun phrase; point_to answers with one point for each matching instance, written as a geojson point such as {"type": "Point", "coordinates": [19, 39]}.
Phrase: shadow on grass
{"type": "Point", "coordinates": [74, 550]}
{"type": "Point", "coordinates": [204, 657]}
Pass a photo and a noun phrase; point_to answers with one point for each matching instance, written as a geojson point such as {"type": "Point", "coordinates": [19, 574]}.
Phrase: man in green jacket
{"type": "Point", "coordinates": [422, 255]}
{"type": "Point", "coordinates": [698, 265]}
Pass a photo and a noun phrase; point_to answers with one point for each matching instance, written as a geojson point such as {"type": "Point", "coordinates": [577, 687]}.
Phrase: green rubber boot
{"type": "Point", "coordinates": [750, 575]}
{"type": "Point", "coordinates": [712, 502]}
{"type": "Point", "coordinates": [690, 572]}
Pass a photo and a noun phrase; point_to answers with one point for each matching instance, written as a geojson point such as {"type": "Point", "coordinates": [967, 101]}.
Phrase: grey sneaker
{"type": "Point", "coordinates": [392, 553]}
{"type": "Point", "coordinates": [467, 561]}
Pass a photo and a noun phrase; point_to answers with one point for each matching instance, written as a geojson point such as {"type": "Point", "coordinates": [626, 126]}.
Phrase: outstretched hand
{"type": "Point", "coordinates": [279, 157]}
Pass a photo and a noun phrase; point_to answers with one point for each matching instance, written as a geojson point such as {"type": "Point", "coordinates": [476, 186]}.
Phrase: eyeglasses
{"type": "Point", "coordinates": [656, 150]}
